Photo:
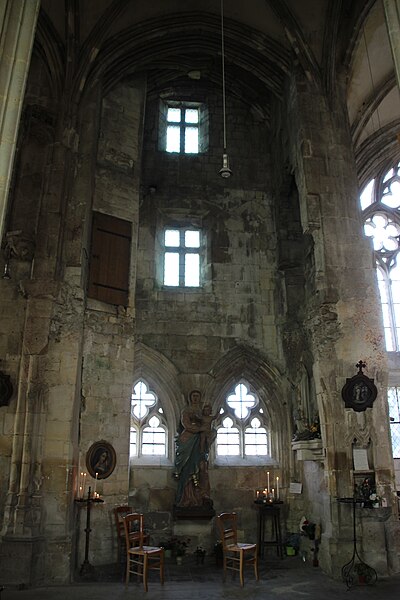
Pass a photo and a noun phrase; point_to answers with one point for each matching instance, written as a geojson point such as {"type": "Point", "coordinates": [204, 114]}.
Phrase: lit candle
{"type": "Point", "coordinates": [95, 483]}
{"type": "Point", "coordinates": [277, 488]}
{"type": "Point", "coordinates": [273, 493]}
{"type": "Point", "coordinates": [84, 485]}
{"type": "Point", "coordinates": [80, 485]}
{"type": "Point", "coordinates": [268, 480]}
{"type": "Point", "coordinates": [257, 494]}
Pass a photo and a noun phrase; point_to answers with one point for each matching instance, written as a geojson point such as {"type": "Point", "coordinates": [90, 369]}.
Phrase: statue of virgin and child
{"type": "Point", "coordinates": [192, 448]}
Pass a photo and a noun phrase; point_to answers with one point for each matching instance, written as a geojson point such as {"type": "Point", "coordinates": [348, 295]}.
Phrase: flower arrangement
{"type": "Point", "coordinates": [178, 546]}
{"type": "Point", "coordinates": [375, 499]}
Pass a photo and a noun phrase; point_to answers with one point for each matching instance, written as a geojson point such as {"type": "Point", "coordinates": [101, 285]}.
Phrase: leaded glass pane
{"type": "Point", "coordinates": [171, 268]}
{"type": "Point", "coordinates": [191, 115]}
{"type": "Point", "coordinates": [383, 291]}
{"type": "Point", "coordinates": [174, 115]}
{"type": "Point", "coordinates": [386, 317]}
{"type": "Point", "coordinates": [192, 268]}
{"type": "Point", "coordinates": [241, 401]}
{"type": "Point", "coordinates": [366, 196]}
{"type": "Point", "coordinates": [173, 138]}
{"type": "Point", "coordinates": [191, 140]}
{"type": "Point", "coordinates": [395, 431]}
{"type": "Point", "coordinates": [393, 401]}
{"type": "Point", "coordinates": [389, 340]}
{"type": "Point", "coordinates": [141, 400]}
{"type": "Point", "coordinates": [172, 238]}
{"type": "Point", "coordinates": [392, 198]}
{"type": "Point", "coordinates": [192, 238]}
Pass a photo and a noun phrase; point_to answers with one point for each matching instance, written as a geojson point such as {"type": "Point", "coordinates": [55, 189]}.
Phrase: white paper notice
{"type": "Point", "coordinates": [360, 459]}
{"type": "Point", "coordinates": [295, 488]}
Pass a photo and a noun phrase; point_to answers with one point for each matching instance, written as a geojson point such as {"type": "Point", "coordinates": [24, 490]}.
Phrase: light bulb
{"type": "Point", "coordinates": [225, 172]}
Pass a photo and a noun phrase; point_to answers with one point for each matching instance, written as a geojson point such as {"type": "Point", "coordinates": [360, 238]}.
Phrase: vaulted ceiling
{"type": "Point", "coordinates": [330, 40]}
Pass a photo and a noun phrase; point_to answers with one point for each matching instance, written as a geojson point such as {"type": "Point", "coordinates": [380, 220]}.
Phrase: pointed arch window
{"type": "Point", "coordinates": [243, 431]}
{"type": "Point", "coordinates": [394, 415]}
{"type": "Point", "coordinates": [148, 434]}
{"type": "Point", "coordinates": [380, 203]}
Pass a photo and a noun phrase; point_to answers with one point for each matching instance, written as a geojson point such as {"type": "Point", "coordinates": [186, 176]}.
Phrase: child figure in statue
{"type": "Point", "coordinates": [191, 457]}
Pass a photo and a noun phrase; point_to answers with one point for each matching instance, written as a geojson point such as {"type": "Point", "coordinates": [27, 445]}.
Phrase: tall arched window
{"type": "Point", "coordinates": [242, 431]}
{"type": "Point", "coordinates": [380, 203]}
{"type": "Point", "coordinates": [148, 426]}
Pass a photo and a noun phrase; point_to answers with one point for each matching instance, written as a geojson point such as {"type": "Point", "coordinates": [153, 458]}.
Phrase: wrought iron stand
{"type": "Point", "coordinates": [86, 566]}
{"type": "Point", "coordinates": [356, 571]}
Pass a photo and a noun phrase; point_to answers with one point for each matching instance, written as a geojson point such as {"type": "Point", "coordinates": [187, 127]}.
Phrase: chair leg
{"type": "Point", "coordinates": [241, 564]}
{"type": "Point", "coordinates": [127, 570]}
{"type": "Point", "coordinates": [145, 571]}
{"type": "Point", "coordinates": [162, 568]}
{"type": "Point", "coordinates": [256, 565]}
{"type": "Point", "coordinates": [224, 568]}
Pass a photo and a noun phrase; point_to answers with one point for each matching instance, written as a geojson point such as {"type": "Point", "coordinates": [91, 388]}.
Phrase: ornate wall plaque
{"type": "Point", "coordinates": [6, 389]}
{"type": "Point", "coordinates": [359, 392]}
{"type": "Point", "coordinates": [101, 460]}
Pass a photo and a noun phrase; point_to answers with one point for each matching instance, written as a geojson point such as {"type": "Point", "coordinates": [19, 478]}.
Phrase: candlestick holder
{"type": "Point", "coordinates": [86, 567]}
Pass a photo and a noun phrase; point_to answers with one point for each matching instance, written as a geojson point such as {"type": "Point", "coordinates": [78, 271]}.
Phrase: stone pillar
{"type": "Point", "coordinates": [18, 22]}
{"type": "Point", "coordinates": [392, 15]}
{"type": "Point", "coordinates": [343, 317]}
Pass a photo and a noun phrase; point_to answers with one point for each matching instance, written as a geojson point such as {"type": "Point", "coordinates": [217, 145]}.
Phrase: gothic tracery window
{"type": "Point", "coordinates": [148, 435]}
{"type": "Point", "coordinates": [242, 432]}
{"type": "Point", "coordinates": [380, 203]}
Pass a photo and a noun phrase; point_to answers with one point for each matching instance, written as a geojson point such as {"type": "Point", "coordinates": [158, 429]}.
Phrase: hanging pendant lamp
{"type": "Point", "coordinates": [225, 172]}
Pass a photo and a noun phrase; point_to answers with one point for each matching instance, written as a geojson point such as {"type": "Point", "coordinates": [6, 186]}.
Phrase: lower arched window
{"type": "Point", "coordinates": [148, 433]}
{"type": "Point", "coordinates": [243, 428]}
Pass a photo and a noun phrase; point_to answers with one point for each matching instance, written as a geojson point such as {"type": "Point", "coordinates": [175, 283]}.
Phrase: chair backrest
{"type": "Point", "coordinates": [227, 526]}
{"type": "Point", "coordinates": [119, 513]}
{"type": "Point", "coordinates": [134, 530]}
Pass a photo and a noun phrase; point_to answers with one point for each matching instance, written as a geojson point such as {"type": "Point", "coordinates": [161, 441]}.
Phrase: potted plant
{"type": "Point", "coordinates": [180, 547]}
{"type": "Point", "coordinates": [167, 545]}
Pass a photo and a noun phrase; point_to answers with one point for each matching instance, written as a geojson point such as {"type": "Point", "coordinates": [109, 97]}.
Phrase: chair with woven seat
{"type": "Point", "coordinates": [119, 513]}
{"type": "Point", "coordinates": [141, 558]}
{"type": "Point", "coordinates": [236, 555]}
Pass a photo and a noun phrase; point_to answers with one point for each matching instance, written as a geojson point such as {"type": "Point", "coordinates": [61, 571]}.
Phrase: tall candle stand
{"type": "Point", "coordinates": [356, 571]}
{"type": "Point", "coordinates": [86, 567]}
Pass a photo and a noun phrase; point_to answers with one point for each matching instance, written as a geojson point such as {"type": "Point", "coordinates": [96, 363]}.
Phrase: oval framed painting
{"type": "Point", "coordinates": [101, 460]}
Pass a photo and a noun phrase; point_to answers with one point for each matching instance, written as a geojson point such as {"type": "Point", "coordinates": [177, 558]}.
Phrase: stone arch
{"type": "Point", "coordinates": [162, 377]}
{"type": "Point", "coordinates": [272, 388]}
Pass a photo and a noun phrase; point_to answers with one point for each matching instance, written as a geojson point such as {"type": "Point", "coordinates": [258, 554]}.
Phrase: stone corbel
{"type": "Point", "coordinates": [18, 246]}
{"type": "Point", "coordinates": [309, 449]}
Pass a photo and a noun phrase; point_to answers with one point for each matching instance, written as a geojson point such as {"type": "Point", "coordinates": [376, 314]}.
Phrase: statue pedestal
{"type": "Point", "coordinates": [193, 512]}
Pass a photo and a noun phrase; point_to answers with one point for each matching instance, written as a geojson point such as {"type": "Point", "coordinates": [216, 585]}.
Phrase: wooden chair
{"type": "Point", "coordinates": [236, 555]}
{"type": "Point", "coordinates": [141, 558]}
{"type": "Point", "coordinates": [119, 513]}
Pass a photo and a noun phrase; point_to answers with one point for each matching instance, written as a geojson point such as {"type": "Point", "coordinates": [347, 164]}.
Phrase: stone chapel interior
{"type": "Point", "coordinates": [133, 274]}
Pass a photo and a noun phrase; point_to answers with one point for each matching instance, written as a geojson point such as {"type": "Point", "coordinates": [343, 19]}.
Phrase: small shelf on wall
{"type": "Point", "coordinates": [309, 449]}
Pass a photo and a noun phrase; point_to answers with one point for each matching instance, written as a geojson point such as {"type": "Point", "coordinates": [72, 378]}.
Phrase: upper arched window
{"type": "Point", "coordinates": [148, 435]}
{"type": "Point", "coordinates": [380, 203]}
{"type": "Point", "coordinates": [243, 429]}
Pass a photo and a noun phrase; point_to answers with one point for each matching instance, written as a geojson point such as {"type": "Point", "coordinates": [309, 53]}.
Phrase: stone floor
{"type": "Point", "coordinates": [285, 579]}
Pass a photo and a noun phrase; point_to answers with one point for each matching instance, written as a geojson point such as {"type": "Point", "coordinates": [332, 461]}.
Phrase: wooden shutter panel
{"type": "Point", "coordinates": [109, 259]}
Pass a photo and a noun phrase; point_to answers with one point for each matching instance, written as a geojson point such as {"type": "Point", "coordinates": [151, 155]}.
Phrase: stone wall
{"type": "Point", "coordinates": [282, 307]}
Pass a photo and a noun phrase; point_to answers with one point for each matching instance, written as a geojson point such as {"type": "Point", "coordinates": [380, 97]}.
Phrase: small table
{"type": "Point", "coordinates": [269, 512]}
